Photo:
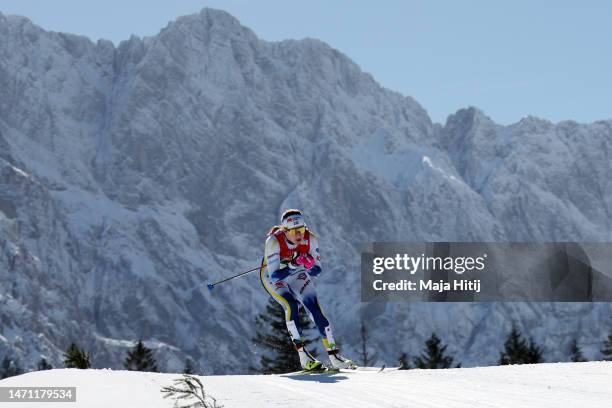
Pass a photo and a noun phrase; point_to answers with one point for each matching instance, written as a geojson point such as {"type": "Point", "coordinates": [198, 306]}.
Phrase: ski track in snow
{"type": "Point", "coordinates": [539, 386]}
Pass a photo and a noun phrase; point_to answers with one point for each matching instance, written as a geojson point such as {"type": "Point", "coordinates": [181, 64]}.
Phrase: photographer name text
{"type": "Point", "coordinates": [457, 285]}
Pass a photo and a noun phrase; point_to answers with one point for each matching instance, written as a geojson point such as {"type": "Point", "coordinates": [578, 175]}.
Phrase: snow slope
{"type": "Point", "coordinates": [539, 386]}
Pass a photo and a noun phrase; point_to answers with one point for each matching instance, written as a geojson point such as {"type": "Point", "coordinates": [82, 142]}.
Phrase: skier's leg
{"type": "Point", "coordinates": [310, 300]}
{"type": "Point", "coordinates": [304, 286]}
{"type": "Point", "coordinates": [284, 295]}
{"type": "Point", "coordinates": [286, 299]}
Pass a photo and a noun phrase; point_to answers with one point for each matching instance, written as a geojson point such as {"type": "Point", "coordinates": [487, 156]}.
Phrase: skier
{"type": "Point", "coordinates": [290, 265]}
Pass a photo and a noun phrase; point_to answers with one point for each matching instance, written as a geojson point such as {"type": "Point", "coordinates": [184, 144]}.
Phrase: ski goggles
{"type": "Point", "coordinates": [301, 230]}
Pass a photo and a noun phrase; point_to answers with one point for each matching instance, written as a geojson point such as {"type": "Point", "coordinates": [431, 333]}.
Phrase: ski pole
{"type": "Point", "coordinates": [210, 286]}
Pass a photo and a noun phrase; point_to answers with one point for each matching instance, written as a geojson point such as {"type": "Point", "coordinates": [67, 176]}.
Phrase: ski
{"type": "Point", "coordinates": [380, 369]}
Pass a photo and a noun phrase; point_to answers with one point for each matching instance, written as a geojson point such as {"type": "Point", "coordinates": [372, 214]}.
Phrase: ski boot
{"type": "Point", "coordinates": [337, 361]}
{"type": "Point", "coordinates": [307, 361]}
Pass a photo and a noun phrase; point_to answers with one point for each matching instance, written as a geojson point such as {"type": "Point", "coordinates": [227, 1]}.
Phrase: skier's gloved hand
{"type": "Point", "coordinates": [314, 271]}
{"type": "Point", "coordinates": [309, 262]}
{"type": "Point", "coordinates": [306, 260]}
{"type": "Point", "coordinates": [297, 261]}
{"type": "Point", "coordinates": [280, 274]}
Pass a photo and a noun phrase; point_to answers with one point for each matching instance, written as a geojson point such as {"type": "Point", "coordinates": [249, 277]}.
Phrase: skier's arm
{"type": "Point", "coordinates": [274, 271]}
{"type": "Point", "coordinates": [314, 252]}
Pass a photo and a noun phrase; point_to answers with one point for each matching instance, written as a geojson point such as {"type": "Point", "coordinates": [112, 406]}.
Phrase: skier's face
{"type": "Point", "coordinates": [296, 234]}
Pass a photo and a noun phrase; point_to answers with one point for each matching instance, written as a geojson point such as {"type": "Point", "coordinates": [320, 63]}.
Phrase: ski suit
{"type": "Point", "coordinates": [289, 285]}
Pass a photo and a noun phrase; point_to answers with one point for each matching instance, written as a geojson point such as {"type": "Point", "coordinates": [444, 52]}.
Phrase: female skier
{"type": "Point", "coordinates": [291, 263]}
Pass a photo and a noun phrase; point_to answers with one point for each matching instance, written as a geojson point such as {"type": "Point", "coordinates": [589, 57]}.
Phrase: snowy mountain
{"type": "Point", "coordinates": [570, 385]}
{"type": "Point", "coordinates": [131, 176]}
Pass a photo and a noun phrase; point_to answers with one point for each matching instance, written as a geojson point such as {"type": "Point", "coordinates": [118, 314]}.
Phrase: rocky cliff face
{"type": "Point", "coordinates": [130, 176]}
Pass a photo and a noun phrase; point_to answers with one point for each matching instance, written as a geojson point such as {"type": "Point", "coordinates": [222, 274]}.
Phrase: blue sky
{"type": "Point", "coordinates": [551, 59]}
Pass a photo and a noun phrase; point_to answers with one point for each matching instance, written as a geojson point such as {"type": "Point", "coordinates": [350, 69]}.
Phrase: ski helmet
{"type": "Point", "coordinates": [292, 219]}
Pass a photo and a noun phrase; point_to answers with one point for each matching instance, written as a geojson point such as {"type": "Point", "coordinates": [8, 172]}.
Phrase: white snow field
{"type": "Point", "coordinates": [542, 385]}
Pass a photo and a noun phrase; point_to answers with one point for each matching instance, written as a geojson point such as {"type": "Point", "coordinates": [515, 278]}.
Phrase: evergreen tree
{"type": "Point", "coordinates": [44, 365]}
{"type": "Point", "coordinates": [9, 368]}
{"type": "Point", "coordinates": [140, 358]}
{"type": "Point", "coordinates": [607, 349]}
{"type": "Point", "coordinates": [433, 356]}
{"type": "Point", "coordinates": [404, 364]}
{"type": "Point", "coordinates": [576, 352]}
{"type": "Point", "coordinates": [366, 357]}
{"type": "Point", "coordinates": [534, 353]}
{"type": "Point", "coordinates": [517, 351]}
{"type": "Point", "coordinates": [188, 367]}
{"type": "Point", "coordinates": [75, 357]}
{"type": "Point", "coordinates": [272, 335]}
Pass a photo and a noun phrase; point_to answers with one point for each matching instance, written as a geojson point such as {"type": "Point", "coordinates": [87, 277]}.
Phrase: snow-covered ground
{"type": "Point", "coordinates": [542, 385]}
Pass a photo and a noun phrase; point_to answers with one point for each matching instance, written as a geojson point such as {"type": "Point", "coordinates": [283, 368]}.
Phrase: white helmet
{"type": "Point", "coordinates": [292, 219]}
